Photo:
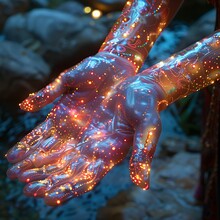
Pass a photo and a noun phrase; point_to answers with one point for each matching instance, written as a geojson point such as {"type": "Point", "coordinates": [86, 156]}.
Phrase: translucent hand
{"type": "Point", "coordinates": [82, 89]}
{"type": "Point", "coordinates": [127, 117]}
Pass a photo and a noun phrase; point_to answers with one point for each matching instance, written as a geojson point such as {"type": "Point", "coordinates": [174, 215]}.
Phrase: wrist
{"type": "Point", "coordinates": [136, 30]}
{"type": "Point", "coordinates": [189, 70]}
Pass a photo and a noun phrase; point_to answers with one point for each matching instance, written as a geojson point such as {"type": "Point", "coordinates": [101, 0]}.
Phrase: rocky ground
{"type": "Point", "coordinates": [35, 46]}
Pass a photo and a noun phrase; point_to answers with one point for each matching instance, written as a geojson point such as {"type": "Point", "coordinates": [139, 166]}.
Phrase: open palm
{"type": "Point", "coordinates": [83, 88]}
{"type": "Point", "coordinates": [128, 117]}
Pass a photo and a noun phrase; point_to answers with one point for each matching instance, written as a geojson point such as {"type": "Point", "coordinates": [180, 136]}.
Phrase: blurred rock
{"type": "Point", "coordinates": [106, 5]}
{"type": "Point", "coordinates": [10, 7]}
{"type": "Point", "coordinates": [191, 10]}
{"type": "Point", "coordinates": [170, 196]}
{"type": "Point", "coordinates": [154, 204]}
{"type": "Point", "coordinates": [15, 29]}
{"type": "Point", "coordinates": [203, 27]}
{"type": "Point", "coordinates": [182, 170]}
{"type": "Point", "coordinates": [71, 7]}
{"type": "Point", "coordinates": [2, 37]}
{"type": "Point", "coordinates": [21, 72]}
{"type": "Point", "coordinates": [49, 25]}
{"type": "Point", "coordinates": [40, 3]}
{"type": "Point", "coordinates": [194, 144]}
{"type": "Point", "coordinates": [175, 144]}
{"type": "Point", "coordinates": [64, 39]}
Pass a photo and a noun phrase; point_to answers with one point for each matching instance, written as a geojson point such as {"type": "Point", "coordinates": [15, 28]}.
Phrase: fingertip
{"type": "Point", "coordinates": [142, 183]}
{"type": "Point", "coordinates": [10, 157]}
{"type": "Point", "coordinates": [29, 107]}
{"type": "Point", "coordinates": [16, 153]}
{"type": "Point", "coordinates": [140, 174]}
{"type": "Point", "coordinates": [16, 170]}
{"type": "Point", "coordinates": [28, 103]}
{"type": "Point", "coordinates": [43, 97]}
{"type": "Point", "coordinates": [13, 172]}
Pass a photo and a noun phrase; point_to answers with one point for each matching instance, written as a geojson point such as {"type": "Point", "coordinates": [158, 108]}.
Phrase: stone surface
{"type": "Point", "coordinates": [49, 25]}
{"type": "Point", "coordinates": [72, 8]}
{"type": "Point", "coordinates": [40, 3]}
{"type": "Point", "coordinates": [15, 29]}
{"type": "Point", "coordinates": [201, 28]}
{"type": "Point", "coordinates": [174, 144]}
{"type": "Point", "coordinates": [21, 71]}
{"type": "Point", "coordinates": [10, 7]}
{"type": "Point", "coordinates": [181, 170]}
{"type": "Point", "coordinates": [106, 5]}
{"type": "Point", "coordinates": [170, 196]}
{"type": "Point", "coordinates": [194, 144]}
{"type": "Point", "coordinates": [62, 39]}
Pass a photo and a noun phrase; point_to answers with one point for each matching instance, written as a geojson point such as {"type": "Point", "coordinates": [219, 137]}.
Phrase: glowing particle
{"type": "Point", "coordinates": [87, 9]}
{"type": "Point", "coordinates": [58, 202]}
{"type": "Point", "coordinates": [125, 35]}
{"type": "Point", "coordinates": [96, 14]}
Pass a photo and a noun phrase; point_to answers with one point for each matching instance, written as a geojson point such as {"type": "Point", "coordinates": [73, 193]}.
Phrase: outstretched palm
{"type": "Point", "coordinates": [83, 89]}
{"type": "Point", "coordinates": [130, 113]}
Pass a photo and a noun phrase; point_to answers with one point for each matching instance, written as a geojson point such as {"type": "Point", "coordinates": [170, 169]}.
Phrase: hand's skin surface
{"type": "Point", "coordinates": [105, 142]}
{"type": "Point", "coordinates": [189, 70]}
{"type": "Point", "coordinates": [130, 116]}
{"type": "Point", "coordinates": [84, 86]}
{"type": "Point", "coordinates": [136, 30]}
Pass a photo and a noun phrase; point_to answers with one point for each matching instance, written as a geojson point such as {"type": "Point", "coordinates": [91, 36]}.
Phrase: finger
{"type": "Point", "coordinates": [52, 151]}
{"type": "Point", "coordinates": [47, 170]}
{"type": "Point", "coordinates": [38, 100]}
{"type": "Point", "coordinates": [145, 140]}
{"type": "Point", "coordinates": [29, 143]}
{"type": "Point", "coordinates": [77, 185]}
{"type": "Point", "coordinates": [39, 188]}
{"type": "Point", "coordinates": [36, 159]}
{"type": "Point", "coordinates": [14, 171]}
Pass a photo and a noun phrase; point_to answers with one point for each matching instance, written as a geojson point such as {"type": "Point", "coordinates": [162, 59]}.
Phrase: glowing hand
{"type": "Point", "coordinates": [130, 113]}
{"type": "Point", "coordinates": [129, 116]}
{"type": "Point", "coordinates": [82, 88]}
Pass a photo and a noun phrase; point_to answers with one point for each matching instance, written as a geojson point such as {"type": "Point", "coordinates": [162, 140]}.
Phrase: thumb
{"type": "Point", "coordinates": [38, 100]}
{"type": "Point", "coordinates": [145, 141]}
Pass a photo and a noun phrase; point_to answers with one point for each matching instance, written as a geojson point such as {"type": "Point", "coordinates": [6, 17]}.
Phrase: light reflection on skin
{"type": "Point", "coordinates": [130, 116]}
{"type": "Point", "coordinates": [69, 153]}
{"type": "Point", "coordinates": [135, 32]}
{"type": "Point", "coordinates": [85, 85]}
